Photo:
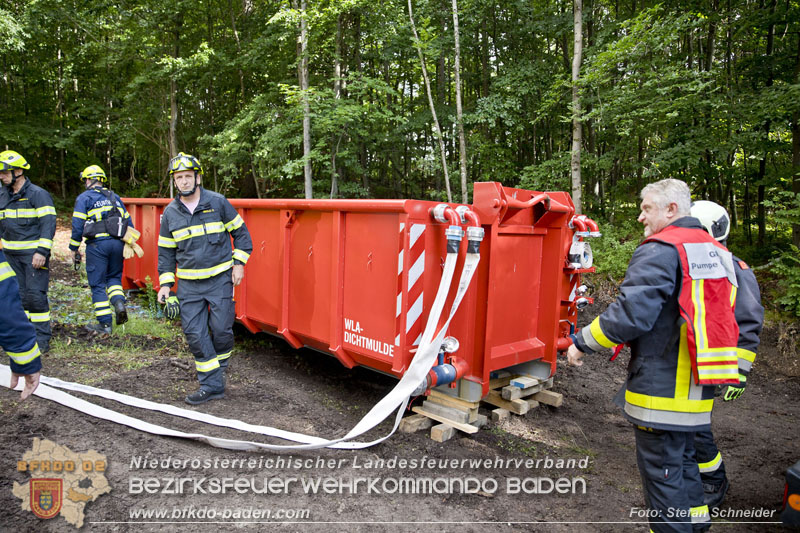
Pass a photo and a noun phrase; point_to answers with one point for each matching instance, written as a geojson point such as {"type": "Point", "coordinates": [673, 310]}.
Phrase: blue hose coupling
{"type": "Point", "coordinates": [454, 236]}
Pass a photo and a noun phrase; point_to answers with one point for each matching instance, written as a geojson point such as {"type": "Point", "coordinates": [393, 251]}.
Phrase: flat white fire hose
{"type": "Point", "coordinates": [397, 398]}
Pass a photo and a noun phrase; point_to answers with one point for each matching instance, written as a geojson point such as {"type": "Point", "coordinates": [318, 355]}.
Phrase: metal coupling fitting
{"type": "Point", "coordinates": [462, 211]}
{"type": "Point", "coordinates": [475, 233]}
{"type": "Point", "coordinates": [454, 233]}
{"type": "Point", "coordinates": [454, 236]}
{"type": "Point", "coordinates": [438, 213]}
{"type": "Point", "coordinates": [474, 236]}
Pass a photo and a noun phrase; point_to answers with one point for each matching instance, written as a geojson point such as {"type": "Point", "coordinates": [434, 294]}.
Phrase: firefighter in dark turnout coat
{"type": "Point", "coordinates": [101, 217]}
{"type": "Point", "coordinates": [194, 237]}
{"type": "Point", "coordinates": [675, 310]}
{"type": "Point", "coordinates": [27, 227]}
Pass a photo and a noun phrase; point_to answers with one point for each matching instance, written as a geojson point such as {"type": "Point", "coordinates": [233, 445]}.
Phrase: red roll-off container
{"type": "Point", "coordinates": [356, 278]}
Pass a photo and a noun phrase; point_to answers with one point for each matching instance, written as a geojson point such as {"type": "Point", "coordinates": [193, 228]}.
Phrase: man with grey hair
{"type": "Point", "coordinates": [675, 311]}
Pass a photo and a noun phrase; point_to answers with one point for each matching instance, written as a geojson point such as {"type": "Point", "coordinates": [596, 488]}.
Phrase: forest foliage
{"type": "Point", "coordinates": [708, 92]}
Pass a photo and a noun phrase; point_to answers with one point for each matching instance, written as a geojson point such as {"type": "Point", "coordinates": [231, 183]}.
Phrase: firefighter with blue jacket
{"type": "Point", "coordinates": [194, 238]}
{"type": "Point", "coordinates": [27, 227]}
{"type": "Point", "coordinates": [675, 310]}
{"type": "Point", "coordinates": [17, 334]}
{"type": "Point", "coordinates": [750, 318]}
{"type": "Point", "coordinates": [101, 218]}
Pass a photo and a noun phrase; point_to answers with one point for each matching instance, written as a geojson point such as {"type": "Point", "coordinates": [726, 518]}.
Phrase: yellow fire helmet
{"type": "Point", "coordinates": [94, 172]}
{"type": "Point", "coordinates": [10, 160]}
{"type": "Point", "coordinates": [184, 162]}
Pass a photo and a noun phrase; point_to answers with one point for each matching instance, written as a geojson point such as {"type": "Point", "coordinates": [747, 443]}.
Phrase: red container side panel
{"type": "Point", "coordinates": [357, 278]}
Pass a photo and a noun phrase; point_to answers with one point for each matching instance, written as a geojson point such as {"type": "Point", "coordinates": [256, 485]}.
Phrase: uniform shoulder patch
{"type": "Point", "coordinates": [743, 265]}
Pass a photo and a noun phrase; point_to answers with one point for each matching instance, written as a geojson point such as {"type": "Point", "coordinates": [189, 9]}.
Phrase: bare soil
{"type": "Point", "coordinates": [271, 384]}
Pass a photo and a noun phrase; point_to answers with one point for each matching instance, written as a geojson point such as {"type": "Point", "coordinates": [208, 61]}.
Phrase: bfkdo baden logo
{"type": "Point", "coordinates": [62, 482]}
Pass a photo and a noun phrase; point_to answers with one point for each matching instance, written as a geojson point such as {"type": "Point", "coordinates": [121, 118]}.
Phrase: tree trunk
{"type": "Point", "coordinates": [712, 33]}
{"type": "Point", "coordinates": [796, 148]}
{"type": "Point", "coordinates": [462, 144]}
{"type": "Point", "coordinates": [303, 74]}
{"type": "Point", "coordinates": [238, 50]}
{"type": "Point", "coordinates": [172, 139]}
{"type": "Point", "coordinates": [746, 207]}
{"type": "Point", "coordinates": [173, 96]}
{"type": "Point", "coordinates": [437, 130]}
{"type": "Point", "coordinates": [484, 59]}
{"type": "Point", "coordinates": [337, 95]}
{"type": "Point", "coordinates": [577, 132]}
{"type": "Point", "coordinates": [762, 166]}
{"type": "Point", "coordinates": [60, 91]}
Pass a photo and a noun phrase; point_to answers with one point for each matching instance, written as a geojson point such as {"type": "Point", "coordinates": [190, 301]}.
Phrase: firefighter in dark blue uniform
{"type": "Point", "coordinates": [750, 317]}
{"type": "Point", "coordinates": [17, 334]}
{"type": "Point", "coordinates": [661, 397]}
{"type": "Point", "coordinates": [194, 238]}
{"type": "Point", "coordinates": [101, 217]}
{"type": "Point", "coordinates": [27, 227]}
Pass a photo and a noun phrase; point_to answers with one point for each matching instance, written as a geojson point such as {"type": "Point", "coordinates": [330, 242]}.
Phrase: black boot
{"type": "Point", "coordinates": [203, 396]}
{"type": "Point", "coordinates": [120, 312]}
{"type": "Point", "coordinates": [99, 329]}
{"type": "Point", "coordinates": [713, 495]}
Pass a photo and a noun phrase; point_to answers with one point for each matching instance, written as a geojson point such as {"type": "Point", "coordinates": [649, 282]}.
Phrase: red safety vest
{"type": "Point", "coordinates": [706, 300]}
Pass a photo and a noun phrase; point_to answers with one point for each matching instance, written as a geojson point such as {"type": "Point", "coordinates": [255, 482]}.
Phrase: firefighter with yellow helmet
{"type": "Point", "coordinates": [27, 227]}
{"type": "Point", "coordinates": [100, 217]}
{"type": "Point", "coordinates": [194, 245]}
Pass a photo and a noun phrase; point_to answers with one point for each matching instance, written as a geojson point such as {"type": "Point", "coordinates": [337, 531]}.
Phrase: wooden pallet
{"type": "Point", "coordinates": [519, 394]}
{"type": "Point", "coordinates": [510, 394]}
{"type": "Point", "coordinates": [451, 414]}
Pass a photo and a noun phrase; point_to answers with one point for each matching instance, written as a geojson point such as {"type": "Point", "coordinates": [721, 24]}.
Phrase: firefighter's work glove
{"type": "Point", "coordinates": [132, 249]}
{"type": "Point", "coordinates": [76, 260]}
{"type": "Point", "coordinates": [172, 309]}
{"type": "Point", "coordinates": [734, 392]}
{"type": "Point", "coordinates": [131, 235]}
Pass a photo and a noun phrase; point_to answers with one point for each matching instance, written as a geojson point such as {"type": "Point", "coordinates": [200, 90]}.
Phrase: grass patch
{"type": "Point", "coordinates": [90, 359]}
{"type": "Point", "coordinates": [512, 443]}
{"type": "Point", "coordinates": [93, 363]}
{"type": "Point", "coordinates": [149, 327]}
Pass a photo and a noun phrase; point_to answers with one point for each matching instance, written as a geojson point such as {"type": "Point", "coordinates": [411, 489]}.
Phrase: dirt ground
{"type": "Point", "coordinates": [271, 384]}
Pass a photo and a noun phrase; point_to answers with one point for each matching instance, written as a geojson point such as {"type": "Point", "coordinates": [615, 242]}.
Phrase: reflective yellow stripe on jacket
{"type": "Point", "coordinates": [203, 273]}
{"type": "Point", "coordinates": [712, 363]}
{"type": "Point", "coordinates": [20, 245]}
{"type": "Point", "coordinates": [190, 232]}
{"type": "Point", "coordinates": [6, 271]}
{"type": "Point", "coordinates": [685, 408]}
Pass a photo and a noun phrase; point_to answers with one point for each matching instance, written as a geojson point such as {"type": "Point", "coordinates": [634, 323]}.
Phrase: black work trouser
{"type": "Point", "coordinates": [670, 479]}
{"type": "Point", "coordinates": [709, 459]}
{"type": "Point", "coordinates": [207, 315]}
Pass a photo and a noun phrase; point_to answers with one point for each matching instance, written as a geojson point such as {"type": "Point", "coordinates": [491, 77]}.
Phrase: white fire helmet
{"type": "Point", "coordinates": [713, 217]}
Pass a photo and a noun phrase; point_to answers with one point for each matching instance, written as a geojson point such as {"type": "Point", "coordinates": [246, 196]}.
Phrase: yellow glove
{"type": "Point", "coordinates": [131, 236]}
{"type": "Point", "coordinates": [131, 249]}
